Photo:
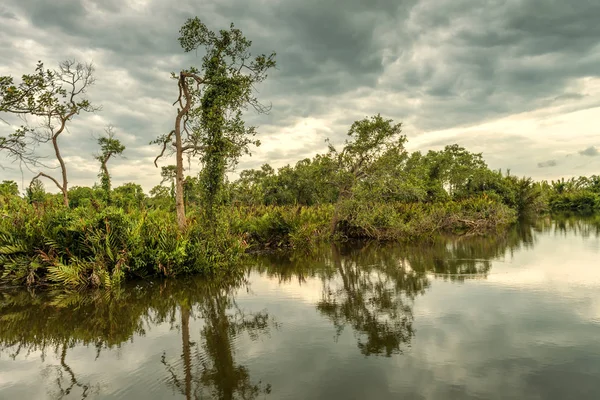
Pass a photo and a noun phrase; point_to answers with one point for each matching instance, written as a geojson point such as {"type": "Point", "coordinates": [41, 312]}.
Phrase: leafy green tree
{"type": "Point", "coordinates": [35, 192]}
{"type": "Point", "coordinates": [450, 170]}
{"type": "Point", "coordinates": [109, 147]}
{"type": "Point", "coordinates": [129, 196]}
{"type": "Point", "coordinates": [9, 188]}
{"type": "Point", "coordinates": [83, 196]}
{"type": "Point", "coordinates": [160, 197]}
{"type": "Point", "coordinates": [371, 140]}
{"type": "Point", "coordinates": [210, 102]}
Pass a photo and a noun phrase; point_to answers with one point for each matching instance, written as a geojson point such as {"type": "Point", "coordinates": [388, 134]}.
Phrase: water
{"type": "Point", "coordinates": [516, 316]}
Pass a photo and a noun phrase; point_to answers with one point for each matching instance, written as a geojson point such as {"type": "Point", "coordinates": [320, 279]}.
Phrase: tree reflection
{"type": "Point", "coordinates": [213, 368]}
{"type": "Point", "coordinates": [56, 322]}
{"type": "Point", "coordinates": [372, 298]}
{"type": "Point", "coordinates": [66, 384]}
{"type": "Point", "coordinates": [371, 287]}
{"type": "Point", "coordinates": [588, 226]}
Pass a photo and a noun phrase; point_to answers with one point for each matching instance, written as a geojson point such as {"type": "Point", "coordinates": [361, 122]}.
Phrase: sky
{"type": "Point", "coordinates": [517, 80]}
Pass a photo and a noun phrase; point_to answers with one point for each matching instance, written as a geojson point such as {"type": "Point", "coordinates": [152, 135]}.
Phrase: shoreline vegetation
{"type": "Point", "coordinates": [370, 188]}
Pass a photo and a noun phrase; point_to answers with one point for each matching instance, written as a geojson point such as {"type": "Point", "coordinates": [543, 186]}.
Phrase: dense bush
{"type": "Point", "coordinates": [85, 246]}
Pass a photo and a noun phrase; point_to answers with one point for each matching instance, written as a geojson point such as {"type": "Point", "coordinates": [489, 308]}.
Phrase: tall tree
{"type": "Point", "coordinates": [209, 107]}
{"type": "Point", "coordinates": [56, 105]}
{"type": "Point", "coordinates": [109, 146]}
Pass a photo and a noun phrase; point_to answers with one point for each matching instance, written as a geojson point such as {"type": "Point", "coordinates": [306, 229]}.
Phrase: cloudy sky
{"type": "Point", "coordinates": [518, 80]}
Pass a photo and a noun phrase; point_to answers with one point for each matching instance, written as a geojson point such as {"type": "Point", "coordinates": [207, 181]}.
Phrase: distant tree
{"type": "Point", "coordinates": [208, 120]}
{"type": "Point", "coordinates": [160, 197]}
{"type": "Point", "coordinates": [9, 188]}
{"type": "Point", "coordinates": [452, 168]}
{"type": "Point", "coordinates": [83, 196]}
{"type": "Point", "coordinates": [168, 174]}
{"type": "Point", "coordinates": [109, 146]}
{"type": "Point", "coordinates": [372, 140]}
{"type": "Point", "coordinates": [36, 192]}
{"type": "Point", "coordinates": [129, 195]}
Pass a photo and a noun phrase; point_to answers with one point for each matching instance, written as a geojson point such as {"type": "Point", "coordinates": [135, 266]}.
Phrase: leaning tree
{"type": "Point", "coordinates": [209, 124]}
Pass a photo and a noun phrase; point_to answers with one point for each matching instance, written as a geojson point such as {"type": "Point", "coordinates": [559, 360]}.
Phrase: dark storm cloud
{"type": "Point", "coordinates": [590, 152]}
{"type": "Point", "coordinates": [493, 58]}
{"type": "Point", "coordinates": [546, 164]}
{"type": "Point", "coordinates": [431, 63]}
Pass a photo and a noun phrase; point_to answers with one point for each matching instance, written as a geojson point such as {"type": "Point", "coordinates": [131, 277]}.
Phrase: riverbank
{"type": "Point", "coordinates": [91, 246]}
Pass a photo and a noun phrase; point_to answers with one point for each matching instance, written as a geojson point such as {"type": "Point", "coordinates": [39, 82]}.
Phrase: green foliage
{"type": "Point", "coordinates": [129, 196]}
{"type": "Point", "coordinates": [109, 146]}
{"type": "Point", "coordinates": [9, 189]}
{"type": "Point", "coordinates": [580, 195]}
{"type": "Point", "coordinates": [35, 94]}
{"type": "Point", "coordinates": [103, 246]}
{"type": "Point", "coordinates": [230, 74]}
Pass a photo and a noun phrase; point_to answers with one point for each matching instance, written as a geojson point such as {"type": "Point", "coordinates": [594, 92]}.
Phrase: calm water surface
{"type": "Point", "coordinates": [516, 316]}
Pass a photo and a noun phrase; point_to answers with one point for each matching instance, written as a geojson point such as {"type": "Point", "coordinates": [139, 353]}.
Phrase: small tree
{"type": "Point", "coordinates": [9, 188]}
{"type": "Point", "coordinates": [168, 174]}
{"type": "Point", "coordinates": [36, 192]}
{"type": "Point", "coordinates": [109, 146]}
{"type": "Point", "coordinates": [208, 120]}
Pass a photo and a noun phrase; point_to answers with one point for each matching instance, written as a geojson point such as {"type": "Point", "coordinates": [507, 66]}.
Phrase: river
{"type": "Point", "coordinates": [510, 316]}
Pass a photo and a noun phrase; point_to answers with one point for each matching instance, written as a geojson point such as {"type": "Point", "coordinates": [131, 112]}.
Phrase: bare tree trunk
{"type": "Point", "coordinates": [179, 202]}
{"type": "Point", "coordinates": [63, 167]}
{"type": "Point", "coordinates": [185, 101]}
{"type": "Point", "coordinates": [187, 354]}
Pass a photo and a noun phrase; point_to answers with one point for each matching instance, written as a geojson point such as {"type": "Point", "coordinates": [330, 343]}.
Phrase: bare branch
{"type": "Point", "coordinates": [46, 176]}
{"type": "Point", "coordinates": [193, 147]}
{"type": "Point", "coordinates": [165, 141]}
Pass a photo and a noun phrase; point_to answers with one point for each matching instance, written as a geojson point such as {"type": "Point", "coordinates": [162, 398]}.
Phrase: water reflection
{"type": "Point", "coordinates": [582, 226]}
{"type": "Point", "coordinates": [212, 369]}
{"type": "Point", "coordinates": [56, 322]}
{"type": "Point", "coordinates": [371, 287]}
{"type": "Point", "coordinates": [366, 289]}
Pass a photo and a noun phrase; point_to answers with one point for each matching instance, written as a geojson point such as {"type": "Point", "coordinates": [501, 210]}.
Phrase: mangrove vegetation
{"type": "Point", "coordinates": [369, 188]}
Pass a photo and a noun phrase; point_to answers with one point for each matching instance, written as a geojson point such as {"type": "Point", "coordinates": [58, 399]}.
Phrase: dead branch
{"type": "Point", "coordinates": [166, 140]}
{"type": "Point", "coordinates": [46, 176]}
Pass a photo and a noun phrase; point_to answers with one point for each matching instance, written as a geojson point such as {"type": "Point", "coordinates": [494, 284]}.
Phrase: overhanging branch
{"type": "Point", "coordinates": [46, 176]}
{"type": "Point", "coordinates": [164, 148]}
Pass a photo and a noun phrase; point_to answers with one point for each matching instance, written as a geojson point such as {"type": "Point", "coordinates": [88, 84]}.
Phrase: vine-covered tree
{"type": "Point", "coordinates": [209, 107]}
